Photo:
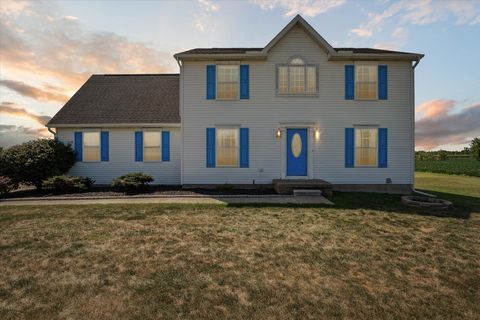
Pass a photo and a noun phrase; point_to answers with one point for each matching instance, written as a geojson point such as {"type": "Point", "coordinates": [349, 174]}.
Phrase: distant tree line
{"type": "Point", "coordinates": [472, 151]}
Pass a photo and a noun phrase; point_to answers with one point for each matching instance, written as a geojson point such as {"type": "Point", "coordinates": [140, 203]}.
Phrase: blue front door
{"type": "Point", "coordinates": [297, 146]}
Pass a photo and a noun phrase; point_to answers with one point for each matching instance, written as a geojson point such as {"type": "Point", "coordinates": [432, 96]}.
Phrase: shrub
{"type": "Point", "coordinates": [67, 184]}
{"type": "Point", "coordinates": [34, 161]}
{"type": "Point", "coordinates": [6, 185]}
{"type": "Point", "coordinates": [132, 182]}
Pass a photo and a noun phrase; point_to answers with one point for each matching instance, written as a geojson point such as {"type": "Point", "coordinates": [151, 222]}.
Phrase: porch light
{"type": "Point", "coordinates": [317, 134]}
{"type": "Point", "coordinates": [278, 134]}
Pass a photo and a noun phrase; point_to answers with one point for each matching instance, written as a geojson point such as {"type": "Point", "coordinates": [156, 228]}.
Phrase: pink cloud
{"type": "Point", "coordinates": [435, 108]}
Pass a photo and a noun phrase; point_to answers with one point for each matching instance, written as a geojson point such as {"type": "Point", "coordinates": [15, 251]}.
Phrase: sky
{"type": "Point", "coordinates": [48, 49]}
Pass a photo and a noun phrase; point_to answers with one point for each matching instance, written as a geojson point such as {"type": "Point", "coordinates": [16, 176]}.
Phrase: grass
{"type": "Point", "coordinates": [369, 257]}
{"type": "Point", "coordinates": [463, 166]}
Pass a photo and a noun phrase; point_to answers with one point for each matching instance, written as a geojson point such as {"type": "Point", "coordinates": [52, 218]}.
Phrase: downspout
{"type": "Point", "coordinates": [413, 135]}
{"type": "Point", "coordinates": [52, 132]}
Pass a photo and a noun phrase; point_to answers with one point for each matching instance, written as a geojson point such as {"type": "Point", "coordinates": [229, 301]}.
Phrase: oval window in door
{"type": "Point", "coordinates": [296, 145]}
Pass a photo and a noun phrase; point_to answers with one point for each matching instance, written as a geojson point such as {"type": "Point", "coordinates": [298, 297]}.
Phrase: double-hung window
{"type": "Point", "coordinates": [366, 147]}
{"type": "Point", "coordinates": [151, 146]}
{"type": "Point", "coordinates": [91, 146]}
{"type": "Point", "coordinates": [227, 145]}
{"type": "Point", "coordinates": [366, 82]}
{"type": "Point", "coordinates": [228, 79]}
{"type": "Point", "coordinates": [297, 78]}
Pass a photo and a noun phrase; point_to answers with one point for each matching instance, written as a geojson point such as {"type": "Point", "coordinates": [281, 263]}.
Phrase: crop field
{"type": "Point", "coordinates": [464, 166]}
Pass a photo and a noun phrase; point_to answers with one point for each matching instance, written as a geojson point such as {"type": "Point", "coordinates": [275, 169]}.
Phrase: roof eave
{"type": "Point", "coordinates": [114, 125]}
{"type": "Point", "coordinates": [257, 55]}
{"type": "Point", "coordinates": [376, 56]}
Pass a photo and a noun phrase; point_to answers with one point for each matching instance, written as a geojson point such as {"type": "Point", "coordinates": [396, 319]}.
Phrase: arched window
{"type": "Point", "coordinates": [297, 78]}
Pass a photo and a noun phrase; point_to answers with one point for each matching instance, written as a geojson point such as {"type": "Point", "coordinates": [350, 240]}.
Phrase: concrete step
{"type": "Point", "coordinates": [307, 192]}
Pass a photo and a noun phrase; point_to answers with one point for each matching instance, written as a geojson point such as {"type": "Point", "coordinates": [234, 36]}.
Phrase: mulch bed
{"type": "Point", "coordinates": [29, 192]}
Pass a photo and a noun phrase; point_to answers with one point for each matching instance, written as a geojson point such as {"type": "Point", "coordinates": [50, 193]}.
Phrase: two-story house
{"type": "Point", "coordinates": [296, 109]}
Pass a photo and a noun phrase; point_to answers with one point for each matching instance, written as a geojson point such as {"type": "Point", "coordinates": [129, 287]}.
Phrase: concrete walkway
{"type": "Point", "coordinates": [171, 200]}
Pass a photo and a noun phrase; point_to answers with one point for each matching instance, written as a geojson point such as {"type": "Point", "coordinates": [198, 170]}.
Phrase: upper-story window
{"type": "Point", "coordinates": [228, 78]}
{"type": "Point", "coordinates": [297, 78]}
{"type": "Point", "coordinates": [366, 82]}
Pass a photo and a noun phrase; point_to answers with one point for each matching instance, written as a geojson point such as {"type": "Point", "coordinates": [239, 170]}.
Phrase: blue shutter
{"type": "Point", "coordinates": [244, 148]}
{"type": "Point", "coordinates": [138, 146]}
{"type": "Point", "coordinates": [78, 143]}
{"type": "Point", "coordinates": [210, 147]}
{"type": "Point", "coordinates": [349, 147]}
{"type": "Point", "coordinates": [211, 81]}
{"type": "Point", "coordinates": [165, 145]}
{"type": "Point", "coordinates": [244, 81]}
{"type": "Point", "coordinates": [382, 82]}
{"type": "Point", "coordinates": [349, 82]}
{"type": "Point", "coordinates": [104, 145]}
{"type": "Point", "coordinates": [382, 147]}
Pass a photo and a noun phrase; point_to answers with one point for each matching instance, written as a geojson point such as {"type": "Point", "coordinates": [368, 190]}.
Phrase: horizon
{"type": "Point", "coordinates": [48, 49]}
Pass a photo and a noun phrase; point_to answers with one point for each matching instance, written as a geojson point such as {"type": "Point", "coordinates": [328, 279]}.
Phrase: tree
{"type": "Point", "coordinates": [34, 161]}
{"type": "Point", "coordinates": [475, 148]}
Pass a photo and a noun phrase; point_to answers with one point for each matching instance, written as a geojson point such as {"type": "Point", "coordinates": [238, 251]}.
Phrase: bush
{"type": "Point", "coordinates": [442, 155]}
{"type": "Point", "coordinates": [34, 161]}
{"type": "Point", "coordinates": [132, 182]}
{"type": "Point", "coordinates": [6, 185]}
{"type": "Point", "coordinates": [67, 184]}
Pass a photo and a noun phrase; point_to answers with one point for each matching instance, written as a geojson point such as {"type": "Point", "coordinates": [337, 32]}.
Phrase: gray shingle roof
{"type": "Point", "coordinates": [219, 50]}
{"type": "Point", "coordinates": [244, 50]}
{"type": "Point", "coordinates": [122, 99]}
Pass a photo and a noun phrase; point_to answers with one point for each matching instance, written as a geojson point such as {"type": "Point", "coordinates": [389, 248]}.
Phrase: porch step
{"type": "Point", "coordinates": [287, 186]}
{"type": "Point", "coordinates": [307, 192]}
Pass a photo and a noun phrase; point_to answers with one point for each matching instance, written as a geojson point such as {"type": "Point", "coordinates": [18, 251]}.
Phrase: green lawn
{"type": "Point", "coordinates": [368, 257]}
{"type": "Point", "coordinates": [465, 166]}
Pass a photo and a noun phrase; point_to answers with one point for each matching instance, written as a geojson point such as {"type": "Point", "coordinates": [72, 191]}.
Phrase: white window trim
{"type": "Point", "coordinates": [99, 146]}
{"type": "Point", "coordinates": [355, 80]}
{"type": "Point", "coordinates": [216, 80]}
{"type": "Point", "coordinates": [237, 146]}
{"type": "Point", "coordinates": [355, 147]}
{"type": "Point", "coordinates": [143, 145]}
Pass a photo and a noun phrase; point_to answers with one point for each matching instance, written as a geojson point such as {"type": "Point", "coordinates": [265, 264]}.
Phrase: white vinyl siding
{"type": "Point", "coordinates": [328, 110]}
{"type": "Point", "coordinates": [91, 146]}
{"type": "Point", "coordinates": [366, 147]}
{"type": "Point", "coordinates": [122, 157]}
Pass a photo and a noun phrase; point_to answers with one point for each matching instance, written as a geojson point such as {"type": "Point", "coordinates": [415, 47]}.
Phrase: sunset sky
{"type": "Point", "coordinates": [48, 49]}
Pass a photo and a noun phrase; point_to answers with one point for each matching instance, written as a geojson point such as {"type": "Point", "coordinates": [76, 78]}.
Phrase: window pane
{"type": "Point", "coordinates": [91, 146]}
{"type": "Point", "coordinates": [227, 147]}
{"type": "Point", "coordinates": [151, 154]}
{"type": "Point", "coordinates": [311, 80]}
{"type": "Point", "coordinates": [151, 139]}
{"type": "Point", "coordinates": [283, 80]}
{"type": "Point", "coordinates": [151, 146]}
{"type": "Point", "coordinates": [366, 147]}
{"type": "Point", "coordinates": [366, 81]}
{"type": "Point", "coordinates": [297, 61]}
{"type": "Point", "coordinates": [297, 79]}
{"type": "Point", "coordinates": [227, 81]}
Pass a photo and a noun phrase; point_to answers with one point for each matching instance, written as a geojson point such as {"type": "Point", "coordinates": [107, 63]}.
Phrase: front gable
{"type": "Point", "coordinates": [298, 24]}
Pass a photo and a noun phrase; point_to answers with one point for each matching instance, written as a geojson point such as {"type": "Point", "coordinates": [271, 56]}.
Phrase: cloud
{"type": "Point", "coordinates": [35, 93]}
{"type": "Point", "coordinates": [399, 38]}
{"type": "Point", "coordinates": [209, 5]}
{"type": "Point", "coordinates": [421, 12]}
{"type": "Point", "coordinates": [71, 18]}
{"type": "Point", "coordinates": [57, 49]}
{"type": "Point", "coordinates": [309, 8]}
{"type": "Point", "coordinates": [12, 109]}
{"type": "Point", "coordinates": [440, 126]}
{"type": "Point", "coordinates": [11, 134]}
